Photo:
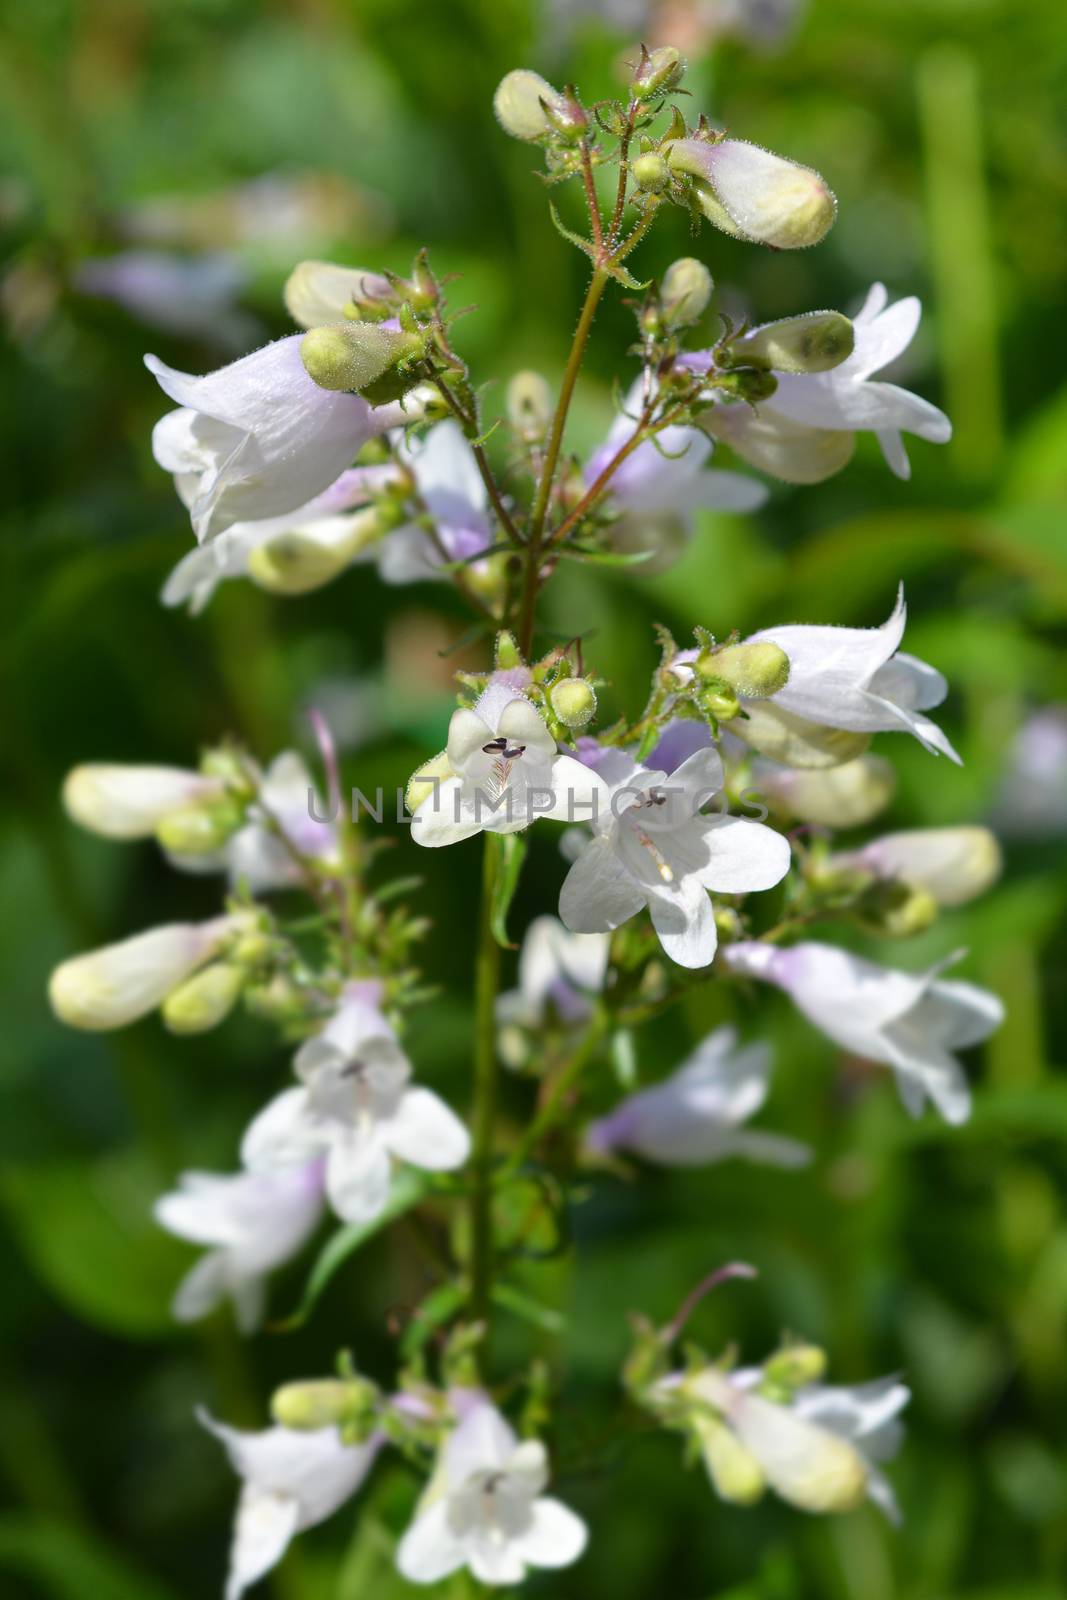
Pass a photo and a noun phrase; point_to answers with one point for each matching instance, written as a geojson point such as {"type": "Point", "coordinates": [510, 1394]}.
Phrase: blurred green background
{"type": "Point", "coordinates": [364, 129]}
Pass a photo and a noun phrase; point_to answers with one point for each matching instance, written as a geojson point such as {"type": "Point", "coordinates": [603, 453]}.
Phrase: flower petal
{"type": "Point", "coordinates": [426, 1133]}
{"type": "Point", "coordinates": [598, 893]}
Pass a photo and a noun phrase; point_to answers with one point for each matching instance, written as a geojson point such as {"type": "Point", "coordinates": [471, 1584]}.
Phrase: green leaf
{"type": "Point", "coordinates": [512, 854]}
{"type": "Point", "coordinates": [590, 554]}
{"type": "Point", "coordinates": [572, 238]}
{"type": "Point", "coordinates": [624, 276]}
{"type": "Point", "coordinates": [410, 1186]}
{"type": "Point", "coordinates": [68, 1564]}
{"type": "Point", "coordinates": [87, 1230]}
{"type": "Point", "coordinates": [522, 1305]}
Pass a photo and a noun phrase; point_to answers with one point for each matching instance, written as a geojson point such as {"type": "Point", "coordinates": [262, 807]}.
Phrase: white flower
{"type": "Point", "coordinates": [253, 1222]}
{"type": "Point", "coordinates": [291, 1480]}
{"type": "Point", "coordinates": [694, 1117]}
{"type": "Point", "coordinates": [805, 431]}
{"type": "Point", "coordinates": [816, 1451]}
{"type": "Point", "coordinates": [447, 480]}
{"type": "Point", "coordinates": [120, 983]}
{"type": "Point", "coordinates": [558, 972]}
{"type": "Point", "coordinates": [258, 438]}
{"type": "Point", "coordinates": [503, 772]}
{"type": "Point", "coordinates": [912, 1022]}
{"type": "Point", "coordinates": [484, 1509]}
{"type": "Point", "coordinates": [128, 802]}
{"type": "Point", "coordinates": [256, 856]}
{"type": "Point", "coordinates": [953, 865]}
{"type": "Point", "coordinates": [329, 529]}
{"type": "Point", "coordinates": [651, 846]}
{"type": "Point", "coordinates": [858, 679]}
{"type": "Point", "coordinates": [661, 486]}
{"type": "Point", "coordinates": [847, 398]}
{"type": "Point", "coordinates": [358, 1109]}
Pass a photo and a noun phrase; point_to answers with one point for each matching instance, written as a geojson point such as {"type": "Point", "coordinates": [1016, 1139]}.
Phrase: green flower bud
{"type": "Point", "coordinates": [529, 405]}
{"type": "Point", "coordinates": [685, 292]}
{"type": "Point", "coordinates": [253, 948]}
{"type": "Point", "coordinates": [718, 699]}
{"type": "Point", "coordinates": [198, 830]}
{"type": "Point", "coordinates": [815, 342]}
{"type": "Point", "coordinates": [755, 670]}
{"type": "Point", "coordinates": [507, 654]}
{"type": "Point", "coordinates": [574, 702]}
{"type": "Point", "coordinates": [350, 355]}
{"type": "Point", "coordinates": [295, 563]}
{"type": "Point", "coordinates": [204, 1000]}
{"type": "Point", "coordinates": [520, 101]}
{"type": "Point", "coordinates": [323, 1403]}
{"type": "Point", "coordinates": [747, 383]}
{"type": "Point", "coordinates": [734, 1471]}
{"type": "Point", "coordinates": [650, 173]}
{"type": "Point", "coordinates": [896, 910]}
{"type": "Point", "coordinates": [795, 1365]}
{"type": "Point", "coordinates": [658, 72]}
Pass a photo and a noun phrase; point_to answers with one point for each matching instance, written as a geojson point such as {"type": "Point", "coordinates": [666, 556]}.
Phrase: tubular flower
{"type": "Point", "coordinates": [484, 1508]}
{"type": "Point", "coordinates": [120, 983]}
{"type": "Point", "coordinates": [911, 1022]}
{"type": "Point", "coordinates": [695, 1116]}
{"type": "Point", "coordinates": [652, 847]}
{"type": "Point", "coordinates": [357, 1108]}
{"type": "Point", "coordinates": [252, 1223]}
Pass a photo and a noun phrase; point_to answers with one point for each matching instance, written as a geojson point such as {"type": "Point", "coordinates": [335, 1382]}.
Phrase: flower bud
{"type": "Point", "coordinates": [793, 740]}
{"type": "Point", "coordinates": [127, 802]}
{"type": "Point", "coordinates": [895, 910]}
{"type": "Point", "coordinates": [318, 292]}
{"type": "Point", "coordinates": [574, 702]}
{"type": "Point", "coordinates": [747, 383]}
{"type": "Point", "coordinates": [815, 342]}
{"type": "Point", "coordinates": [204, 1000]}
{"type": "Point", "coordinates": [198, 830]}
{"type": "Point", "coordinates": [952, 864]}
{"type": "Point", "coordinates": [650, 173]}
{"type": "Point", "coordinates": [529, 406]}
{"type": "Point", "coordinates": [685, 292]}
{"type": "Point", "coordinates": [753, 194]}
{"type": "Point", "coordinates": [840, 797]}
{"type": "Point", "coordinates": [111, 987]}
{"type": "Point", "coordinates": [519, 103]}
{"type": "Point", "coordinates": [718, 699]}
{"type": "Point", "coordinates": [296, 563]}
{"type": "Point", "coordinates": [321, 1403]}
{"type": "Point", "coordinates": [735, 1473]}
{"type": "Point", "coordinates": [796, 1365]}
{"type": "Point", "coordinates": [658, 72]}
{"type": "Point", "coordinates": [350, 355]}
{"type": "Point", "coordinates": [755, 670]}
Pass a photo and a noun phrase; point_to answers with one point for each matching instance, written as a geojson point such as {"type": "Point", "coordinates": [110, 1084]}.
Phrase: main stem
{"type": "Point", "coordinates": [532, 573]}
{"type": "Point", "coordinates": [483, 1116]}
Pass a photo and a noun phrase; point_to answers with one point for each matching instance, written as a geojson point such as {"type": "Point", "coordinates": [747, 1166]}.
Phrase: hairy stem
{"type": "Point", "coordinates": [483, 1115]}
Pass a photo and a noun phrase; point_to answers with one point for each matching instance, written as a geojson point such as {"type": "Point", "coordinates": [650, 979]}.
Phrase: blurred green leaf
{"type": "Point", "coordinates": [70, 1564]}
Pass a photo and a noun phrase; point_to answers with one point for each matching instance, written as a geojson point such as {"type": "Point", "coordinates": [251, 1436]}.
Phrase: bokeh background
{"type": "Point", "coordinates": [263, 131]}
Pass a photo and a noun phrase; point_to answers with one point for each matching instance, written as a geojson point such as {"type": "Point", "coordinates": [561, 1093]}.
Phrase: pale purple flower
{"type": "Point", "coordinates": [251, 1222]}
{"type": "Point", "coordinates": [194, 296]}
{"type": "Point", "coordinates": [695, 1116]}
{"type": "Point", "coordinates": [912, 1022]}
{"type": "Point", "coordinates": [447, 480]}
{"type": "Point", "coordinates": [258, 438]}
{"type": "Point", "coordinates": [559, 973]}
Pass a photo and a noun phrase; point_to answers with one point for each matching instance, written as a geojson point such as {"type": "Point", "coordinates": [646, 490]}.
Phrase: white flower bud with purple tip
{"type": "Point", "coordinates": [753, 194]}
{"type": "Point", "coordinates": [953, 865]}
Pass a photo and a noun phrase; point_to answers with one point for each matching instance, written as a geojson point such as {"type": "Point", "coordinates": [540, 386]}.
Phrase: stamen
{"type": "Point", "coordinates": [663, 867]}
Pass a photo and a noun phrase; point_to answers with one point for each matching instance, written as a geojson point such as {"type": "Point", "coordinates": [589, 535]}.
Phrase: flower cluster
{"type": "Point", "coordinates": [695, 840]}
